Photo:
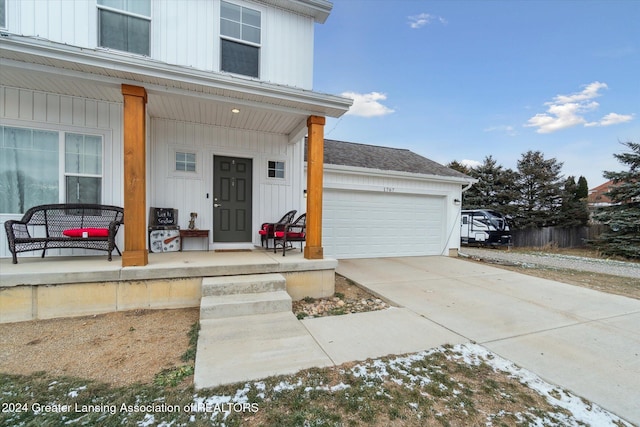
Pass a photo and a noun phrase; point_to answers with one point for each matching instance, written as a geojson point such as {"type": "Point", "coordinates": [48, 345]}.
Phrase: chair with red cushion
{"type": "Point", "coordinates": [294, 232]}
{"type": "Point", "coordinates": [268, 228]}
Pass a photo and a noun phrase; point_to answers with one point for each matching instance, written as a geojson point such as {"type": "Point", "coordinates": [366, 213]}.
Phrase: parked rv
{"type": "Point", "coordinates": [484, 227]}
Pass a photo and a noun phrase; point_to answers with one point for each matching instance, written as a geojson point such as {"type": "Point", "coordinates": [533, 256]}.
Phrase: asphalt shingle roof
{"type": "Point", "coordinates": [382, 158]}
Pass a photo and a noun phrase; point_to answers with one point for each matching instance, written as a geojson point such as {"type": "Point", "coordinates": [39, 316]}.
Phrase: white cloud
{"type": "Point", "coordinates": [567, 111]}
{"type": "Point", "coordinates": [590, 91]}
{"type": "Point", "coordinates": [367, 104]}
{"type": "Point", "coordinates": [419, 21]}
{"type": "Point", "coordinates": [470, 163]}
{"type": "Point", "coordinates": [612, 119]}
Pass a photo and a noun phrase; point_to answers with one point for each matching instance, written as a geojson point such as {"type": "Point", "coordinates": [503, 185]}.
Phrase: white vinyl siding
{"type": "Point", "coordinates": [372, 213]}
{"type": "Point", "coordinates": [184, 33]}
{"type": "Point", "coordinates": [188, 192]}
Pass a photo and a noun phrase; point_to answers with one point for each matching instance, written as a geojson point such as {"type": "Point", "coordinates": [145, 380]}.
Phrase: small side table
{"type": "Point", "coordinates": [193, 233]}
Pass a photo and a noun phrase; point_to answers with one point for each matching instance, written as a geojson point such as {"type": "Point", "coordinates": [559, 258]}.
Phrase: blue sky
{"type": "Point", "coordinates": [463, 79]}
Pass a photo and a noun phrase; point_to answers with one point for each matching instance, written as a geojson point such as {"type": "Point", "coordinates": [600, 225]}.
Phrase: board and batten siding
{"type": "Point", "coordinates": [184, 33]}
{"type": "Point", "coordinates": [187, 191]}
{"type": "Point", "coordinates": [41, 110]}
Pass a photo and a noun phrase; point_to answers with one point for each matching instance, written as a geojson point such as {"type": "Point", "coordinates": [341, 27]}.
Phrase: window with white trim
{"type": "Point", "coordinates": [275, 169]}
{"type": "Point", "coordinates": [83, 168]}
{"type": "Point", "coordinates": [125, 25]}
{"type": "Point", "coordinates": [240, 29]}
{"type": "Point", "coordinates": [32, 171]}
{"type": "Point", "coordinates": [185, 162]}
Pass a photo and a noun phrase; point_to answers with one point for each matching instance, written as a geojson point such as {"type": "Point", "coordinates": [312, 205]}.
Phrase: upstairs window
{"type": "Point", "coordinates": [125, 25]}
{"type": "Point", "coordinates": [240, 29]}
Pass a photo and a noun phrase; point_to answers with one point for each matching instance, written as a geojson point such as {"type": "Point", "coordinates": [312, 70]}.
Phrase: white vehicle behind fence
{"type": "Point", "coordinates": [484, 227]}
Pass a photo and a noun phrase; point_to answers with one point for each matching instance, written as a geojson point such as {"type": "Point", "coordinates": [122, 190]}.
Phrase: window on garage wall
{"type": "Point", "coordinates": [32, 171]}
{"type": "Point", "coordinates": [125, 25]}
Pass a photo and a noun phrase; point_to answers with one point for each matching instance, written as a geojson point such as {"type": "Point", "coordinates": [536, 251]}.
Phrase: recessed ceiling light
{"type": "Point", "coordinates": [235, 110]}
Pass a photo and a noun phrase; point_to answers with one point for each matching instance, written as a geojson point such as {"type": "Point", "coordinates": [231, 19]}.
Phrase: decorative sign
{"type": "Point", "coordinates": [163, 217]}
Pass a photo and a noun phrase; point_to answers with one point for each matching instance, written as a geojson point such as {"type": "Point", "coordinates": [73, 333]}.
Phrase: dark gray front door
{"type": "Point", "coordinates": [231, 199]}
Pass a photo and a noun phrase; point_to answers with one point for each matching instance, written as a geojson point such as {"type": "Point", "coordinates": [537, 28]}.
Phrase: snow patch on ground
{"type": "Point", "coordinates": [402, 371]}
{"type": "Point", "coordinates": [581, 410]}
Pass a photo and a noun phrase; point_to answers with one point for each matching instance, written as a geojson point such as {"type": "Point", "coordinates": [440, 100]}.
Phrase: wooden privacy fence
{"type": "Point", "coordinates": [561, 237]}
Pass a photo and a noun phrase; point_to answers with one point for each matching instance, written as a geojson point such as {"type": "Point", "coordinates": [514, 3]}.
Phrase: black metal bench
{"type": "Point", "coordinates": [82, 226]}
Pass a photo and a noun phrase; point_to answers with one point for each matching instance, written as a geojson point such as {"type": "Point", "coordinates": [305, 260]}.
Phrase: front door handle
{"type": "Point", "coordinates": [217, 205]}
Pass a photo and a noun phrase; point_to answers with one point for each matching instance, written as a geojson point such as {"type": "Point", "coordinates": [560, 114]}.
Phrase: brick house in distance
{"type": "Point", "coordinates": [597, 196]}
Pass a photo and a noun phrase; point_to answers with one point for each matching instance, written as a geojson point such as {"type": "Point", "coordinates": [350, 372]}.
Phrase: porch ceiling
{"type": "Point", "coordinates": [177, 93]}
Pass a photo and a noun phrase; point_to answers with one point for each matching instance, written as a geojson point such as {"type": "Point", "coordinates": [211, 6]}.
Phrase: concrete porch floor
{"type": "Point", "coordinates": [78, 269]}
{"type": "Point", "coordinates": [61, 286]}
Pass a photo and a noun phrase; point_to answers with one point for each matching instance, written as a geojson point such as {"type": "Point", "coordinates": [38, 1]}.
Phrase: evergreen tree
{"type": "Point", "coordinates": [495, 188]}
{"type": "Point", "coordinates": [583, 188]}
{"type": "Point", "coordinates": [458, 166]}
{"type": "Point", "coordinates": [623, 217]}
{"type": "Point", "coordinates": [573, 212]}
{"type": "Point", "coordinates": [540, 190]}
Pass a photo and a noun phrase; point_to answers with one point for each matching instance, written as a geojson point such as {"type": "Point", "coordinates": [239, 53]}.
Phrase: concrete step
{"type": "Point", "coordinates": [249, 348]}
{"type": "Point", "coordinates": [221, 306]}
{"type": "Point", "coordinates": [245, 284]}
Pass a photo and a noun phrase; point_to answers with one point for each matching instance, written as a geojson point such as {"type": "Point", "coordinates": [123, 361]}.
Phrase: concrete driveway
{"type": "Point", "coordinates": [583, 340]}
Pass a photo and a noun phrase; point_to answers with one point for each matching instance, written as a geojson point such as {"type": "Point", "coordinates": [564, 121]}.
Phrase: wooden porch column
{"type": "Point", "coordinates": [315, 160]}
{"type": "Point", "coordinates": [135, 186]}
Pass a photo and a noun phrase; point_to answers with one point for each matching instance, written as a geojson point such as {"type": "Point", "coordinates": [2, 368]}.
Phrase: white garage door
{"type": "Point", "coordinates": [362, 224]}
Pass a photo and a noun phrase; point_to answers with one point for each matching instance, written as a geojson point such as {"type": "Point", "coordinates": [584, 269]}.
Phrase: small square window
{"type": "Point", "coordinates": [185, 162]}
{"type": "Point", "coordinates": [275, 169]}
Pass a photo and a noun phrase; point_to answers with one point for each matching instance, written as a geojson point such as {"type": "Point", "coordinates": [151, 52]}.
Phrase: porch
{"type": "Point", "coordinates": [38, 288]}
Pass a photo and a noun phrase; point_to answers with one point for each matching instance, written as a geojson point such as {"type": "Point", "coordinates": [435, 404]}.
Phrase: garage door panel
{"type": "Point", "coordinates": [372, 224]}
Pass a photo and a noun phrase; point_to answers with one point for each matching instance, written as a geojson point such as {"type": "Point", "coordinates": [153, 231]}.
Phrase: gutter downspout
{"type": "Point", "coordinates": [469, 185]}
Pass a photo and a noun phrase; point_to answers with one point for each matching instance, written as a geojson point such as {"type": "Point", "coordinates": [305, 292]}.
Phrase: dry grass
{"type": "Point", "coordinates": [135, 358]}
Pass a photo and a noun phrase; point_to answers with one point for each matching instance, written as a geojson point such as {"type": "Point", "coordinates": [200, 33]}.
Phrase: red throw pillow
{"type": "Point", "coordinates": [290, 235]}
{"type": "Point", "coordinates": [91, 232]}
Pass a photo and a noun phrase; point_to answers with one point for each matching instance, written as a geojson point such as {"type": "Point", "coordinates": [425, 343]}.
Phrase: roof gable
{"type": "Point", "coordinates": [382, 158]}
